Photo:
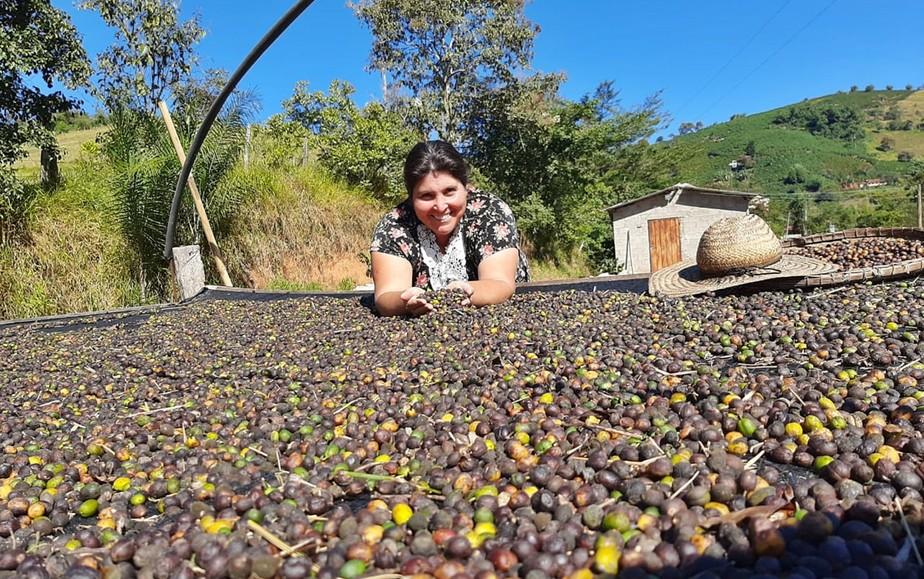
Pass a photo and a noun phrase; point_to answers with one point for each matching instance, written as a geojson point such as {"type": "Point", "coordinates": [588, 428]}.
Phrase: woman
{"type": "Point", "coordinates": [445, 235]}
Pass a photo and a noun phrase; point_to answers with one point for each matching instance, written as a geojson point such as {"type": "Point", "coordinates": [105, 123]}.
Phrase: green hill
{"type": "Point", "coordinates": [791, 158]}
{"type": "Point", "coordinates": [69, 142]}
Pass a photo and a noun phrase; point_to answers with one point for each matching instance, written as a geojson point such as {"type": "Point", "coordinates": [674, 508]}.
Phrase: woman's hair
{"type": "Point", "coordinates": [429, 156]}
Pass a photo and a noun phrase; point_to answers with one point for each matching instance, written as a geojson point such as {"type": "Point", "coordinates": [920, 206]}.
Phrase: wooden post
{"type": "Point", "coordinates": [50, 176]}
{"type": "Point", "coordinates": [188, 271]}
{"type": "Point", "coordinates": [920, 216]}
{"type": "Point", "coordinates": [197, 199]}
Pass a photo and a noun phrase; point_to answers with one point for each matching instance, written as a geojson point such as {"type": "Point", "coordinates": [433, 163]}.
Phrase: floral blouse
{"type": "Point", "coordinates": [487, 227]}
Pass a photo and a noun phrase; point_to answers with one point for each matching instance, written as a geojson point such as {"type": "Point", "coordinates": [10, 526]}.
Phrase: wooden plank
{"type": "Point", "coordinates": [663, 242]}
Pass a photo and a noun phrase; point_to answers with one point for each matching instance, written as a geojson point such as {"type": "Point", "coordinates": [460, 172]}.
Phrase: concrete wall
{"type": "Point", "coordinates": [696, 211]}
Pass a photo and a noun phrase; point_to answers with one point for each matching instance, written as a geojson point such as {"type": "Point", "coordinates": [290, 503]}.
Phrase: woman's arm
{"type": "Point", "coordinates": [496, 279]}
{"type": "Point", "coordinates": [394, 295]}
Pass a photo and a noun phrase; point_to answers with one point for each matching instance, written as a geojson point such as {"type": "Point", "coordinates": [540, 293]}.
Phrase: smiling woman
{"type": "Point", "coordinates": [445, 235]}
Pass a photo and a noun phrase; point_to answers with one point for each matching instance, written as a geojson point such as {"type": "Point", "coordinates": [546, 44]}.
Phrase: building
{"type": "Point", "coordinates": [664, 227]}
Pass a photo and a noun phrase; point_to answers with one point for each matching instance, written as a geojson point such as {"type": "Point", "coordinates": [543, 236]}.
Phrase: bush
{"type": "Point", "coordinates": [145, 169]}
{"type": "Point", "coordinates": [795, 175]}
{"type": "Point", "coordinates": [365, 146]}
{"type": "Point", "coordinates": [16, 199]}
{"type": "Point", "coordinates": [77, 121]}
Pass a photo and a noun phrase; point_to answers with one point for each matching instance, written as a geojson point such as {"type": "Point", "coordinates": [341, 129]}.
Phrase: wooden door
{"type": "Point", "coordinates": [663, 242]}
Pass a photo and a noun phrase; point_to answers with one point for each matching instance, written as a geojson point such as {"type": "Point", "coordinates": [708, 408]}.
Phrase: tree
{"type": "Point", "coordinates": [688, 128]}
{"type": "Point", "coordinates": [914, 178]}
{"type": "Point", "coordinates": [869, 88]}
{"type": "Point", "coordinates": [750, 149]}
{"type": "Point", "coordinates": [833, 121]}
{"type": "Point", "coordinates": [560, 162]}
{"type": "Point", "coordinates": [442, 55]}
{"type": "Point", "coordinates": [853, 88]}
{"type": "Point", "coordinates": [38, 46]}
{"type": "Point", "coordinates": [365, 146]}
{"type": "Point", "coordinates": [151, 55]}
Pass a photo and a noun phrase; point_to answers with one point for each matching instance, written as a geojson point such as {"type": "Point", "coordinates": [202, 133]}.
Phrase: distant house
{"type": "Point", "coordinates": [664, 227]}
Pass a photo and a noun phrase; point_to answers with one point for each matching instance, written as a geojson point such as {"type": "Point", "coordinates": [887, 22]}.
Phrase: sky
{"type": "Point", "coordinates": [706, 59]}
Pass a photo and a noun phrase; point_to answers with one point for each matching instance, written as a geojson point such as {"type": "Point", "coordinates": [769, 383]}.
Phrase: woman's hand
{"type": "Point", "coordinates": [414, 304]}
{"type": "Point", "coordinates": [466, 288]}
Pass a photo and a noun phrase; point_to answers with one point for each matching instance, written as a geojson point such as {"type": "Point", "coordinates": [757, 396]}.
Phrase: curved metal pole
{"type": "Point", "coordinates": [219, 102]}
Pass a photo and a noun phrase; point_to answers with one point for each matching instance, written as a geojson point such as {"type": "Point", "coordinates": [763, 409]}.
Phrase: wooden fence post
{"type": "Point", "coordinates": [197, 199]}
{"type": "Point", "coordinates": [920, 215]}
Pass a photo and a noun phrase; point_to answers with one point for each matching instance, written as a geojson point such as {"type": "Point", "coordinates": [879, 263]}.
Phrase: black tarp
{"type": "Point", "coordinates": [70, 322]}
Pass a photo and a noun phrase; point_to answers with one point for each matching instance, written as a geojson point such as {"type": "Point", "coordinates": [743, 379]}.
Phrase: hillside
{"type": "Point", "coordinates": [73, 130]}
{"type": "Point", "coordinates": [787, 158]}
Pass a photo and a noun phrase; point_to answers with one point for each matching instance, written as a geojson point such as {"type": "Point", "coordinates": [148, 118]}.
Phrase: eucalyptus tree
{"type": "Point", "coordinates": [440, 55]}
{"type": "Point", "coordinates": [152, 53]}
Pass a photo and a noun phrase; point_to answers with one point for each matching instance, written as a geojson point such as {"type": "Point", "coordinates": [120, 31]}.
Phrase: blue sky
{"type": "Point", "coordinates": [707, 59]}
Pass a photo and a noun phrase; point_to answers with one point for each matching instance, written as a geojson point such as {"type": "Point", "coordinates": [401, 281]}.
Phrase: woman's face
{"type": "Point", "coordinates": [439, 202]}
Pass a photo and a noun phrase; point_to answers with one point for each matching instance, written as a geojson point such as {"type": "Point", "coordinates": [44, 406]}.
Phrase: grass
{"type": "Point", "coordinates": [575, 267]}
{"type": "Point", "coordinates": [72, 256]}
{"type": "Point", "coordinates": [912, 107]}
{"type": "Point", "coordinates": [304, 230]}
{"type": "Point", "coordinates": [910, 141]}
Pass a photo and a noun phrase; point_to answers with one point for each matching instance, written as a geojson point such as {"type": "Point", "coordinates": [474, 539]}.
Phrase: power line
{"type": "Point", "coordinates": [732, 59]}
{"type": "Point", "coordinates": [770, 57]}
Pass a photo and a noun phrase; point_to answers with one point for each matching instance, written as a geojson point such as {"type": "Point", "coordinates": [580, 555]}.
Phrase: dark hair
{"type": "Point", "coordinates": [429, 156]}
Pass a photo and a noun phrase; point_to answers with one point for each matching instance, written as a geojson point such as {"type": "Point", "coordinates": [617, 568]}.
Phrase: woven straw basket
{"type": "Point", "coordinates": [736, 243]}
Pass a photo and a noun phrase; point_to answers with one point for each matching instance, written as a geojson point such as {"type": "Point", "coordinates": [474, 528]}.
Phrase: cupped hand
{"type": "Point", "coordinates": [414, 304]}
{"type": "Point", "coordinates": [465, 287]}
